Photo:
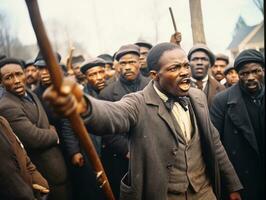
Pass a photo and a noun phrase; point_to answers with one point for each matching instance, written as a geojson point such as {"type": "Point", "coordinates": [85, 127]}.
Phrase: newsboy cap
{"type": "Point", "coordinates": [204, 48]}
{"type": "Point", "coordinates": [92, 62]}
{"type": "Point", "coordinates": [228, 68]}
{"type": "Point", "coordinates": [126, 49]}
{"type": "Point", "coordinates": [223, 57]}
{"type": "Point", "coordinates": [107, 58]}
{"type": "Point", "coordinates": [6, 61]}
{"type": "Point", "coordinates": [40, 62]}
{"type": "Point", "coordinates": [142, 43]}
{"type": "Point", "coordinates": [248, 56]}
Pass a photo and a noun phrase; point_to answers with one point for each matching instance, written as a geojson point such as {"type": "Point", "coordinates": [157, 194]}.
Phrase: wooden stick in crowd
{"type": "Point", "coordinates": [57, 78]}
{"type": "Point", "coordinates": [69, 61]}
{"type": "Point", "coordinates": [173, 19]}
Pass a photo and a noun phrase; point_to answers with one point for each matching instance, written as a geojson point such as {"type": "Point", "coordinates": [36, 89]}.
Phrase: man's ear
{"type": "Point", "coordinates": [153, 75]}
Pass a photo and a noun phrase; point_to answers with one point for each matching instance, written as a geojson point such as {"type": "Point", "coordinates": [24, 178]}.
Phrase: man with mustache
{"type": "Point", "coordinates": [175, 151]}
{"type": "Point", "coordinates": [239, 113]}
{"type": "Point", "coordinates": [217, 69]}
{"type": "Point", "coordinates": [115, 151]}
{"type": "Point", "coordinates": [201, 59]}
{"type": "Point", "coordinates": [26, 116]}
{"type": "Point", "coordinates": [32, 75]}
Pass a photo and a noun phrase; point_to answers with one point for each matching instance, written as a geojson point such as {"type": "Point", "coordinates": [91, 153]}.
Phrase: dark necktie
{"type": "Point", "coordinates": [199, 84]}
{"type": "Point", "coordinates": [183, 101]}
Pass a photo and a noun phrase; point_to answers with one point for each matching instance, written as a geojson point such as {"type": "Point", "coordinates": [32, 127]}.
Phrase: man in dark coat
{"type": "Point", "coordinates": [26, 116]}
{"type": "Point", "coordinates": [238, 114]}
{"type": "Point", "coordinates": [201, 59]}
{"type": "Point", "coordinates": [115, 151]}
{"type": "Point", "coordinates": [175, 151]}
{"type": "Point", "coordinates": [18, 175]}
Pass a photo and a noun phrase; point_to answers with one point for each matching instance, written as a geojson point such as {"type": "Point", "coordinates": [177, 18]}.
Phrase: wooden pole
{"type": "Point", "coordinates": [57, 78]}
{"type": "Point", "coordinates": [197, 21]}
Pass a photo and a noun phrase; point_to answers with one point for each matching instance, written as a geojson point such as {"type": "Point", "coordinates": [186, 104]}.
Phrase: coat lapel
{"type": "Point", "coordinates": [237, 105]}
{"type": "Point", "coordinates": [152, 98]}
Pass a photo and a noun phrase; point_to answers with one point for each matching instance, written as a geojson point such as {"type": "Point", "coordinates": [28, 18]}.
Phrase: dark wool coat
{"type": "Point", "coordinates": [153, 138]}
{"type": "Point", "coordinates": [230, 116]}
{"type": "Point", "coordinates": [31, 125]}
{"type": "Point", "coordinates": [212, 88]}
{"type": "Point", "coordinates": [17, 173]}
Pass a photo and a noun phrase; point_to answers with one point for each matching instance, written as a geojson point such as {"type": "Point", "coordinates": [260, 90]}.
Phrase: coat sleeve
{"type": "Point", "coordinates": [227, 171]}
{"type": "Point", "coordinates": [70, 140]}
{"type": "Point", "coordinates": [37, 178]}
{"type": "Point", "coordinates": [30, 135]}
{"type": "Point", "coordinates": [104, 117]}
{"type": "Point", "coordinates": [217, 112]}
{"type": "Point", "coordinates": [11, 183]}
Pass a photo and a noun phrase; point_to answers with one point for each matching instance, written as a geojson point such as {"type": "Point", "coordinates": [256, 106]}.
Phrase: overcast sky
{"type": "Point", "coordinates": [102, 26]}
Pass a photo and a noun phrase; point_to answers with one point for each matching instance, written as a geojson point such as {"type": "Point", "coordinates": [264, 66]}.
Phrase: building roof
{"type": "Point", "coordinates": [240, 35]}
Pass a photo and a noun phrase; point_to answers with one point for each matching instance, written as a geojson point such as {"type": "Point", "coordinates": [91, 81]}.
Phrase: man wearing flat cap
{"type": "Point", "coordinates": [27, 117]}
{"type": "Point", "coordinates": [115, 147]}
{"type": "Point", "coordinates": [230, 75]}
{"type": "Point", "coordinates": [217, 70]}
{"type": "Point", "coordinates": [201, 59]}
{"type": "Point", "coordinates": [239, 113]}
{"type": "Point", "coordinates": [144, 48]}
{"type": "Point", "coordinates": [109, 70]}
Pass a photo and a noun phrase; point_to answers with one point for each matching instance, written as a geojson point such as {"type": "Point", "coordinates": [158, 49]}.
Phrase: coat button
{"type": "Point", "coordinates": [234, 152]}
{"type": "Point", "coordinates": [174, 151]}
{"type": "Point", "coordinates": [235, 132]}
{"type": "Point", "coordinates": [246, 171]}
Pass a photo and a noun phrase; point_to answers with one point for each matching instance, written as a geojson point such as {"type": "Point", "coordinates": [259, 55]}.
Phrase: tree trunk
{"type": "Point", "coordinates": [197, 21]}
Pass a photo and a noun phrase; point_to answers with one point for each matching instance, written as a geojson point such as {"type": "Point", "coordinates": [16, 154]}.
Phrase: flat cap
{"type": "Point", "coordinates": [248, 56]}
{"type": "Point", "coordinates": [6, 61]}
{"type": "Point", "coordinates": [40, 62]}
{"type": "Point", "coordinates": [126, 49]}
{"type": "Point", "coordinates": [29, 63]}
{"type": "Point", "coordinates": [77, 59]}
{"type": "Point", "coordinates": [143, 43]}
{"type": "Point", "coordinates": [204, 48]}
{"type": "Point", "coordinates": [223, 57]}
{"type": "Point", "coordinates": [228, 68]}
{"type": "Point", "coordinates": [92, 62]}
{"type": "Point", "coordinates": [107, 58]}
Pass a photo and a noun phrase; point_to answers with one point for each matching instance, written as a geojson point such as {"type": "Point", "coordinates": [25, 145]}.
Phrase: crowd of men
{"type": "Point", "coordinates": [166, 125]}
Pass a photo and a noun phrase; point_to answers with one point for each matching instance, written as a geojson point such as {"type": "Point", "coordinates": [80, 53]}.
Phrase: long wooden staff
{"type": "Point", "coordinates": [173, 19]}
{"type": "Point", "coordinates": [57, 78]}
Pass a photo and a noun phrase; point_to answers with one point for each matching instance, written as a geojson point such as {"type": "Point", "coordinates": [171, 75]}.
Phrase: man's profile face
{"type": "Point", "coordinates": [32, 74]}
{"type": "Point", "coordinates": [200, 63]}
{"type": "Point", "coordinates": [218, 69]}
{"type": "Point", "coordinates": [129, 66]}
{"type": "Point", "coordinates": [174, 75]}
{"type": "Point", "coordinates": [13, 79]}
{"type": "Point", "coordinates": [78, 74]}
{"type": "Point", "coordinates": [251, 77]}
{"type": "Point", "coordinates": [96, 77]}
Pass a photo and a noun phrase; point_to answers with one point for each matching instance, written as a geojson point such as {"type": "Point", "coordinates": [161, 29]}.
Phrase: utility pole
{"type": "Point", "coordinates": [197, 21]}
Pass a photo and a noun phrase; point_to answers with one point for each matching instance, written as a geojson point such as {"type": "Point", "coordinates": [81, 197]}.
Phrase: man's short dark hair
{"type": "Point", "coordinates": [156, 53]}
